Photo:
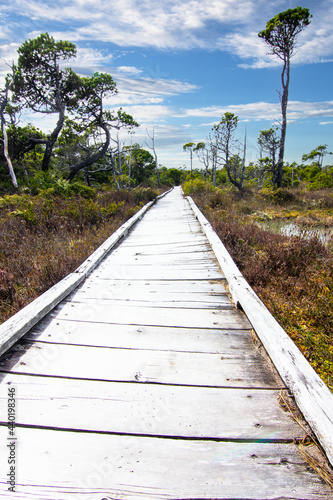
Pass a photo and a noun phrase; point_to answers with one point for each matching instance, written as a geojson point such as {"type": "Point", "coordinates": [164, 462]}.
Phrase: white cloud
{"type": "Point", "coordinates": [297, 110]}
{"type": "Point", "coordinates": [149, 113]}
{"type": "Point", "coordinates": [168, 24]}
{"type": "Point", "coordinates": [129, 70]}
{"type": "Point", "coordinates": [8, 55]}
{"type": "Point", "coordinates": [224, 25]}
{"type": "Point", "coordinates": [88, 60]}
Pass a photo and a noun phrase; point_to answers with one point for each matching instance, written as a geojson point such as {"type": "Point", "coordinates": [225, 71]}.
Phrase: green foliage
{"type": "Point", "coordinates": [282, 30]}
{"type": "Point", "coordinates": [52, 183]}
{"type": "Point", "coordinates": [175, 175]}
{"type": "Point", "coordinates": [319, 152]}
{"type": "Point", "coordinates": [38, 81]}
{"type": "Point", "coordinates": [322, 180]}
{"type": "Point", "coordinates": [196, 186]}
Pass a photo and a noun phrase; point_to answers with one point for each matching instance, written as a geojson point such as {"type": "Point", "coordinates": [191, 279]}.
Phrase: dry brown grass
{"type": "Point", "coordinates": [293, 276]}
{"type": "Point", "coordinates": [43, 238]}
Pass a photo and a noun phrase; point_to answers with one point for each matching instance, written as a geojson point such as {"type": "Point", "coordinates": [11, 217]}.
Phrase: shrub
{"type": "Point", "coordinates": [144, 195]}
{"type": "Point", "coordinates": [197, 186]}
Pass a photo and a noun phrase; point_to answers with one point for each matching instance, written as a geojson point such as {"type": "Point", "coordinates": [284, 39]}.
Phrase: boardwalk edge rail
{"type": "Point", "coordinates": [311, 394]}
{"type": "Point", "coordinates": [20, 323]}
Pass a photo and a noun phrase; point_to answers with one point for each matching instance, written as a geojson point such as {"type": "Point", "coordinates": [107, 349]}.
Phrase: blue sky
{"type": "Point", "coordinates": [180, 66]}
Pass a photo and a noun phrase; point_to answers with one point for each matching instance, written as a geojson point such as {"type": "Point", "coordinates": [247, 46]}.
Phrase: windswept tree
{"type": "Point", "coordinates": [269, 142]}
{"type": "Point", "coordinates": [189, 146]}
{"type": "Point", "coordinates": [39, 83]}
{"type": "Point", "coordinates": [92, 93]}
{"type": "Point", "coordinates": [202, 151]}
{"type": "Point", "coordinates": [281, 36]}
{"type": "Point", "coordinates": [228, 149]}
{"type": "Point", "coordinates": [317, 154]}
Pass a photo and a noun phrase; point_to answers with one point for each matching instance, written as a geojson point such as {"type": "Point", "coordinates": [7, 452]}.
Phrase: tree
{"type": "Point", "coordinates": [269, 142]}
{"type": "Point", "coordinates": [281, 34]}
{"type": "Point", "coordinates": [227, 149]}
{"type": "Point", "coordinates": [189, 146]}
{"type": "Point", "coordinates": [203, 154]}
{"type": "Point", "coordinates": [143, 164]}
{"type": "Point", "coordinates": [152, 147]}
{"type": "Point", "coordinates": [319, 152]}
{"type": "Point", "coordinates": [40, 85]}
{"type": "Point", "coordinates": [176, 175]}
{"type": "Point", "coordinates": [91, 94]}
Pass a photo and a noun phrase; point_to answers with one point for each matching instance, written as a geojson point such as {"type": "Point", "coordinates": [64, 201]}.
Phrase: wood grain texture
{"type": "Point", "coordinates": [237, 369]}
{"type": "Point", "coordinates": [19, 324]}
{"type": "Point", "coordinates": [55, 330]}
{"type": "Point", "coordinates": [62, 465]}
{"type": "Point", "coordinates": [148, 409]}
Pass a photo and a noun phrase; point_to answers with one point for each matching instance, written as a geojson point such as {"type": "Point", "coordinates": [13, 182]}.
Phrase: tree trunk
{"type": "Point", "coordinates": [6, 154]}
{"type": "Point", "coordinates": [285, 78]}
{"type": "Point", "coordinates": [93, 158]}
{"type": "Point", "coordinates": [5, 138]}
{"type": "Point", "coordinates": [53, 139]}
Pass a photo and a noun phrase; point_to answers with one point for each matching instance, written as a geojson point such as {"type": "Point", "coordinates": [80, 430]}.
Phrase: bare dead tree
{"type": "Point", "coordinates": [152, 147]}
{"type": "Point", "coordinates": [3, 105]}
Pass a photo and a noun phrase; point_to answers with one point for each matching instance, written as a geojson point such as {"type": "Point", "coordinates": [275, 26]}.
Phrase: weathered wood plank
{"type": "Point", "coordinates": [158, 273]}
{"type": "Point", "coordinates": [164, 367]}
{"type": "Point", "coordinates": [142, 337]}
{"type": "Point", "coordinates": [57, 465]}
{"type": "Point", "coordinates": [161, 290]}
{"type": "Point", "coordinates": [147, 229]}
{"type": "Point", "coordinates": [166, 239]}
{"type": "Point", "coordinates": [153, 316]}
{"type": "Point", "coordinates": [163, 248]}
{"type": "Point", "coordinates": [151, 302]}
{"type": "Point", "coordinates": [201, 259]}
{"type": "Point", "coordinates": [191, 287]}
{"type": "Point", "coordinates": [145, 409]}
{"type": "Point", "coordinates": [97, 291]}
{"type": "Point", "coordinates": [312, 395]}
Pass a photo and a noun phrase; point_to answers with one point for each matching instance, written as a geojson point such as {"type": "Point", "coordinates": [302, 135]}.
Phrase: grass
{"type": "Point", "coordinates": [293, 275]}
{"type": "Point", "coordinates": [45, 237]}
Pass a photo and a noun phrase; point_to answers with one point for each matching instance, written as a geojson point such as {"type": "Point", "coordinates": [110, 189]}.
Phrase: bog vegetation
{"type": "Point", "coordinates": [292, 273]}
{"type": "Point", "coordinates": [46, 236]}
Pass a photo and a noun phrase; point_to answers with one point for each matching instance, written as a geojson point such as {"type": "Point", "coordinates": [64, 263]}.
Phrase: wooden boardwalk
{"type": "Point", "coordinates": [146, 382]}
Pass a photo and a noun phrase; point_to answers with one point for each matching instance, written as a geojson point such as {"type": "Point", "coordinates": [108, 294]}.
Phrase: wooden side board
{"type": "Point", "coordinates": [312, 396]}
